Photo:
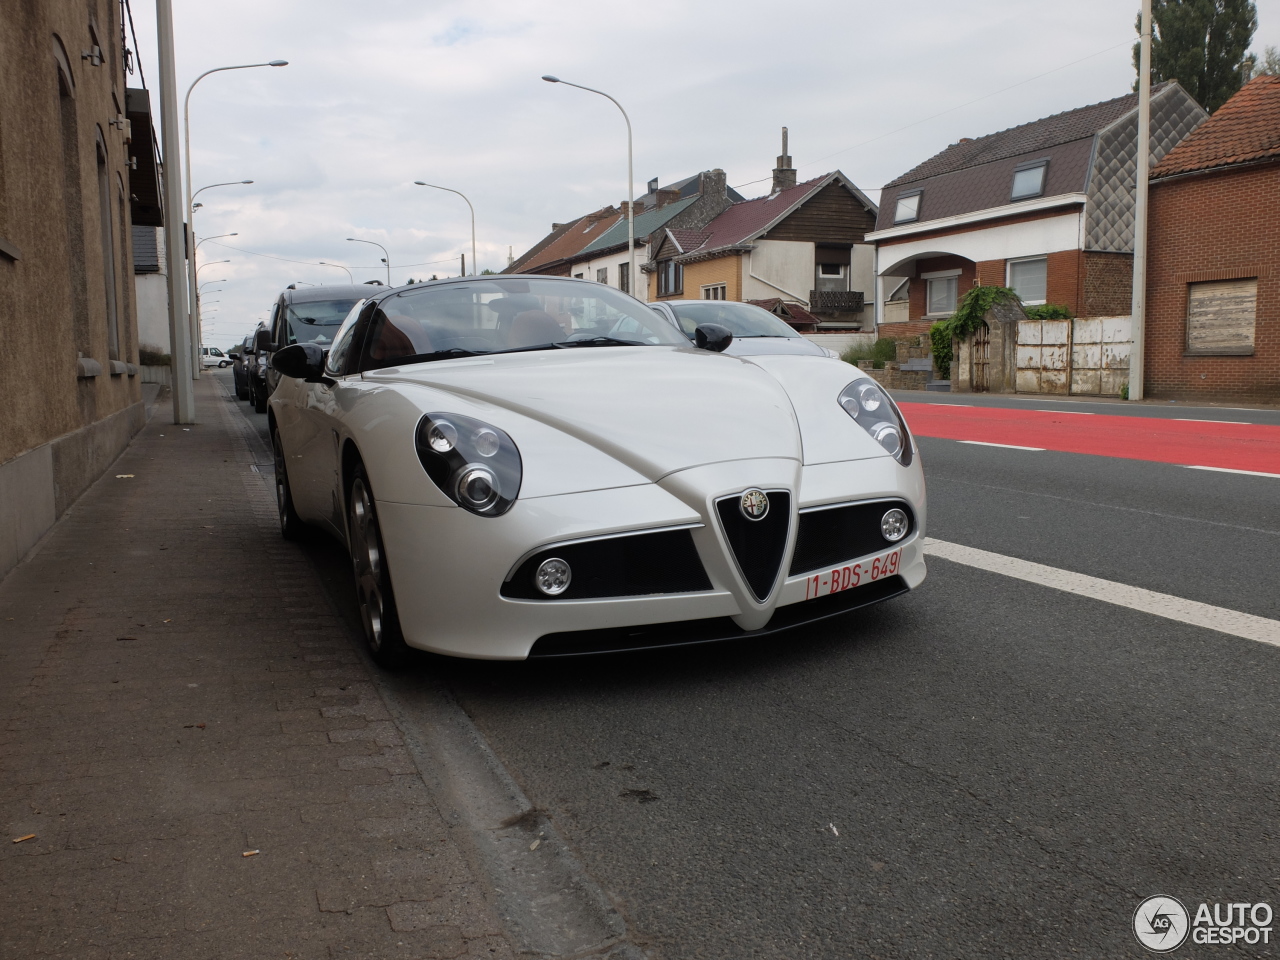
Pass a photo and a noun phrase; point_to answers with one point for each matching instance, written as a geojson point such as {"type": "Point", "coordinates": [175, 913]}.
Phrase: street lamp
{"type": "Point", "coordinates": [209, 283]}
{"type": "Point", "coordinates": [218, 237]}
{"type": "Point", "coordinates": [473, 218]}
{"type": "Point", "coordinates": [210, 264]}
{"type": "Point", "coordinates": [386, 260]}
{"type": "Point", "coordinates": [631, 222]}
{"type": "Point", "coordinates": [186, 150]}
{"type": "Point", "coordinates": [192, 298]}
{"type": "Point", "coordinates": [340, 267]}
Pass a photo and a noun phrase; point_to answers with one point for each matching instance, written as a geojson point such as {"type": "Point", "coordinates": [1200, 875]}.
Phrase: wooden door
{"type": "Point", "coordinates": [981, 358]}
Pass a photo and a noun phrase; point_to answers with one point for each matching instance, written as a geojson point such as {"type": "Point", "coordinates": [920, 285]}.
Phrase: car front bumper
{"type": "Point", "coordinates": [448, 566]}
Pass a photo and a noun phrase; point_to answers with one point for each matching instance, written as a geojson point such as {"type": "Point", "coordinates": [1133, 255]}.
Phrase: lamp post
{"type": "Point", "coordinates": [218, 237]}
{"type": "Point", "coordinates": [1142, 173]}
{"type": "Point", "coordinates": [386, 260]}
{"type": "Point", "coordinates": [631, 221]}
{"type": "Point", "coordinates": [473, 217]}
{"type": "Point", "coordinates": [192, 297]}
{"type": "Point", "coordinates": [350, 278]}
{"type": "Point", "coordinates": [186, 151]}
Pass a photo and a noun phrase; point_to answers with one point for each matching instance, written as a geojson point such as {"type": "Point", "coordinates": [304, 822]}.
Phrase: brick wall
{"type": "Point", "coordinates": [726, 270]}
{"type": "Point", "coordinates": [1108, 284]}
{"type": "Point", "coordinates": [1213, 225]}
{"type": "Point", "coordinates": [1064, 275]}
{"type": "Point", "coordinates": [919, 287]}
{"type": "Point", "coordinates": [991, 273]}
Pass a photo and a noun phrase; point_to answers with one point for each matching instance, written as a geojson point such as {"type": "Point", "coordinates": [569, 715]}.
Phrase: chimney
{"type": "Point", "coordinates": [711, 183]}
{"type": "Point", "coordinates": [669, 195]}
{"type": "Point", "coordinates": [622, 209]}
{"type": "Point", "coordinates": [784, 175]}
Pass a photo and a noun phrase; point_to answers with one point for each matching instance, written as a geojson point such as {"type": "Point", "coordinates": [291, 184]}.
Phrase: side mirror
{"type": "Point", "coordinates": [301, 361]}
{"type": "Point", "coordinates": [233, 355]}
{"type": "Point", "coordinates": [262, 341]}
{"type": "Point", "coordinates": [713, 337]}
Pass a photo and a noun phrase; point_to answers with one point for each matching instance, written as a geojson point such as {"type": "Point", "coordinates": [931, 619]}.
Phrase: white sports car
{"type": "Point", "coordinates": [539, 466]}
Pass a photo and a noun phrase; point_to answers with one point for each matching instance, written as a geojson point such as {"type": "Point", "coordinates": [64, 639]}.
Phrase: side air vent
{"type": "Point", "coordinates": [632, 565]}
{"type": "Point", "coordinates": [757, 545]}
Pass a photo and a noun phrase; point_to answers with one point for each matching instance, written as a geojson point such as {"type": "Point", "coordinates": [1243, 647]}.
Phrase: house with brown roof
{"type": "Point", "coordinates": [803, 243]}
{"type": "Point", "coordinates": [1213, 261]}
{"type": "Point", "coordinates": [594, 247]}
{"type": "Point", "coordinates": [1045, 208]}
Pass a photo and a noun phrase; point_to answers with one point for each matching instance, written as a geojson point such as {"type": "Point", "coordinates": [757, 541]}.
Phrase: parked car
{"type": "Point", "coordinates": [256, 368]}
{"type": "Point", "coordinates": [755, 330]}
{"type": "Point", "coordinates": [240, 357]}
{"type": "Point", "coordinates": [543, 466]}
{"type": "Point", "coordinates": [213, 357]}
{"type": "Point", "coordinates": [310, 315]}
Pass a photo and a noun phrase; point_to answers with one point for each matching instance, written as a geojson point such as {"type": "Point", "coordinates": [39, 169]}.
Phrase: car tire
{"type": "Point", "coordinates": [242, 392]}
{"type": "Point", "coordinates": [372, 577]}
{"type": "Point", "coordinates": [260, 400]}
{"type": "Point", "coordinates": [290, 524]}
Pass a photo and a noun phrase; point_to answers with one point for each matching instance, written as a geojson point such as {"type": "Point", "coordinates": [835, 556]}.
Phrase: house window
{"type": "Point", "coordinates": [1028, 180]}
{"type": "Point", "coordinates": [624, 277]}
{"type": "Point", "coordinates": [670, 278]}
{"type": "Point", "coordinates": [908, 208]}
{"type": "Point", "coordinates": [831, 269]}
{"type": "Point", "coordinates": [1221, 316]}
{"type": "Point", "coordinates": [578, 276]}
{"type": "Point", "coordinates": [941, 290]}
{"type": "Point", "coordinates": [717, 291]}
{"type": "Point", "coordinates": [602, 275]}
{"type": "Point", "coordinates": [1029, 279]}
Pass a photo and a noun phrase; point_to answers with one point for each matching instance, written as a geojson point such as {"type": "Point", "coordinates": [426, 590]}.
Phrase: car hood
{"type": "Point", "coordinates": [657, 410]}
{"type": "Point", "coordinates": [779, 346]}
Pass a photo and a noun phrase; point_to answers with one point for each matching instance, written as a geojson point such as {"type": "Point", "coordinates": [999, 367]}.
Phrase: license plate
{"type": "Point", "coordinates": [852, 575]}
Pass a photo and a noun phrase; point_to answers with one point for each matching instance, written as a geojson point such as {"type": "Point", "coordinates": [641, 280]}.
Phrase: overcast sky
{"type": "Point", "coordinates": [381, 93]}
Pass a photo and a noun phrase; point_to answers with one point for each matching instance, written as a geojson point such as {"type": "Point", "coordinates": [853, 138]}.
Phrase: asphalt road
{"type": "Point", "coordinates": [983, 768]}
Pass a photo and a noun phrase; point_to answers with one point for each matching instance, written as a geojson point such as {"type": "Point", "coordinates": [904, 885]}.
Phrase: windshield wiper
{"type": "Point", "coordinates": [601, 342]}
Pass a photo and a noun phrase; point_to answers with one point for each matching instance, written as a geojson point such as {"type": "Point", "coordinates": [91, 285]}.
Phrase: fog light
{"type": "Point", "coordinates": [477, 487]}
{"type": "Point", "coordinates": [894, 525]}
{"type": "Point", "coordinates": [553, 577]}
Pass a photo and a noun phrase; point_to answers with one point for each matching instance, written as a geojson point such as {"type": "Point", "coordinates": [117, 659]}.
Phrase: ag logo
{"type": "Point", "coordinates": [1161, 923]}
{"type": "Point", "coordinates": [754, 504]}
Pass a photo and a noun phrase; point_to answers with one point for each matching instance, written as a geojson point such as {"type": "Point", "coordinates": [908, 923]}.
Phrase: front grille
{"type": "Point", "coordinates": [626, 566]}
{"type": "Point", "coordinates": [576, 643]}
{"type": "Point", "coordinates": [757, 545]}
{"type": "Point", "coordinates": [836, 534]}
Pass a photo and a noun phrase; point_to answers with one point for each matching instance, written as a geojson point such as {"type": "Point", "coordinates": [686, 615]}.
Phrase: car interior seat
{"type": "Point", "coordinates": [533, 327]}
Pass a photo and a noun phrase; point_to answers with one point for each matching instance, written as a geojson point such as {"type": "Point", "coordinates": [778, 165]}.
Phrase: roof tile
{"type": "Point", "coordinates": [1245, 128]}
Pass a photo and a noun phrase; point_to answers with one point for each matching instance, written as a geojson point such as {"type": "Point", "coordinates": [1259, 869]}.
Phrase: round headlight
{"type": "Point", "coordinates": [870, 397]}
{"type": "Point", "coordinates": [552, 577]}
{"type": "Point", "coordinates": [443, 436]}
{"type": "Point", "coordinates": [486, 442]}
{"type": "Point", "coordinates": [886, 434]}
{"type": "Point", "coordinates": [477, 487]}
{"type": "Point", "coordinates": [894, 525]}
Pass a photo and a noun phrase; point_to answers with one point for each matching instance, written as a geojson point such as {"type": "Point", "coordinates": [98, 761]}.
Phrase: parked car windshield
{"type": "Point", "coordinates": [495, 315]}
{"type": "Point", "coordinates": [744, 319]}
{"type": "Point", "coordinates": [316, 321]}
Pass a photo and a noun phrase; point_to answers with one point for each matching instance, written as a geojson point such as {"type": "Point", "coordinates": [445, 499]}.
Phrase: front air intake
{"type": "Point", "coordinates": [757, 545]}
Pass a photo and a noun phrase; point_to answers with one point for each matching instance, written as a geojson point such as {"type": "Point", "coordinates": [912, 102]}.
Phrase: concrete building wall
{"type": "Point", "coordinates": [68, 344]}
{"type": "Point", "coordinates": [782, 268]}
{"type": "Point", "coordinates": [151, 291]}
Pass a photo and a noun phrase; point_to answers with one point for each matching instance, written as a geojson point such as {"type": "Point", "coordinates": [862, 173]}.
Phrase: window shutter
{"type": "Point", "coordinates": [1220, 316]}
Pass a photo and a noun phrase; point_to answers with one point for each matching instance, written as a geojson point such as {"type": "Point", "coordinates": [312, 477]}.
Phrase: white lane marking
{"type": "Point", "coordinates": [1192, 612]}
{"type": "Point", "coordinates": [1247, 473]}
{"type": "Point", "coordinates": [1006, 446]}
{"type": "Point", "coordinates": [1242, 423]}
{"type": "Point", "coordinates": [1078, 413]}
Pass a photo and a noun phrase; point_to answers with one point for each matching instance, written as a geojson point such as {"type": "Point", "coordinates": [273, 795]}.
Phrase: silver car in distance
{"type": "Point", "coordinates": [539, 466]}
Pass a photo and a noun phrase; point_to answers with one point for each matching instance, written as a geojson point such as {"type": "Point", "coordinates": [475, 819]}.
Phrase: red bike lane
{"type": "Point", "coordinates": [1194, 443]}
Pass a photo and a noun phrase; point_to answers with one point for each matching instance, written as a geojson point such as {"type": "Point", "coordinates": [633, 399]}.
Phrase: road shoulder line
{"type": "Point", "coordinates": [1193, 612]}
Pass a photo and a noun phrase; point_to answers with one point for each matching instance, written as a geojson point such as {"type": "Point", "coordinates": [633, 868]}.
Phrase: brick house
{"type": "Point", "coordinates": [594, 247]}
{"type": "Point", "coordinates": [1213, 267]}
{"type": "Point", "coordinates": [803, 243]}
{"type": "Point", "coordinates": [1045, 208]}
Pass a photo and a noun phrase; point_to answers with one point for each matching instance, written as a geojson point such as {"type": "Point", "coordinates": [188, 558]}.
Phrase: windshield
{"type": "Point", "coordinates": [317, 321]}
{"type": "Point", "coordinates": [743, 319]}
{"type": "Point", "coordinates": [495, 315]}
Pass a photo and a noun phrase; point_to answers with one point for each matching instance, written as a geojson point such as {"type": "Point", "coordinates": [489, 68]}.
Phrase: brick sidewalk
{"type": "Point", "coordinates": [176, 690]}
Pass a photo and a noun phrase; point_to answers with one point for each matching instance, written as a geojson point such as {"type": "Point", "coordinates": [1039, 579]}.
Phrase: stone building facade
{"type": "Point", "coordinates": [69, 385]}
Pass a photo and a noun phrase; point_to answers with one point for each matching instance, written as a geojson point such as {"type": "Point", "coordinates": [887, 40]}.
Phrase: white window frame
{"type": "Point", "coordinates": [940, 275]}
{"type": "Point", "coordinates": [1008, 276]}
{"type": "Point", "coordinates": [1043, 167]}
{"type": "Point", "coordinates": [906, 195]}
{"type": "Point", "coordinates": [711, 288]}
{"type": "Point", "coordinates": [838, 275]}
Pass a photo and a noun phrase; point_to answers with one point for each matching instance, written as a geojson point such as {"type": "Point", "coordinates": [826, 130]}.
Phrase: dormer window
{"type": "Point", "coordinates": [908, 209]}
{"type": "Point", "coordinates": [1028, 180]}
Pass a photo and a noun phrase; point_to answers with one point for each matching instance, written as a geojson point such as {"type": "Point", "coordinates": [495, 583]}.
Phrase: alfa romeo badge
{"type": "Point", "coordinates": [754, 504]}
